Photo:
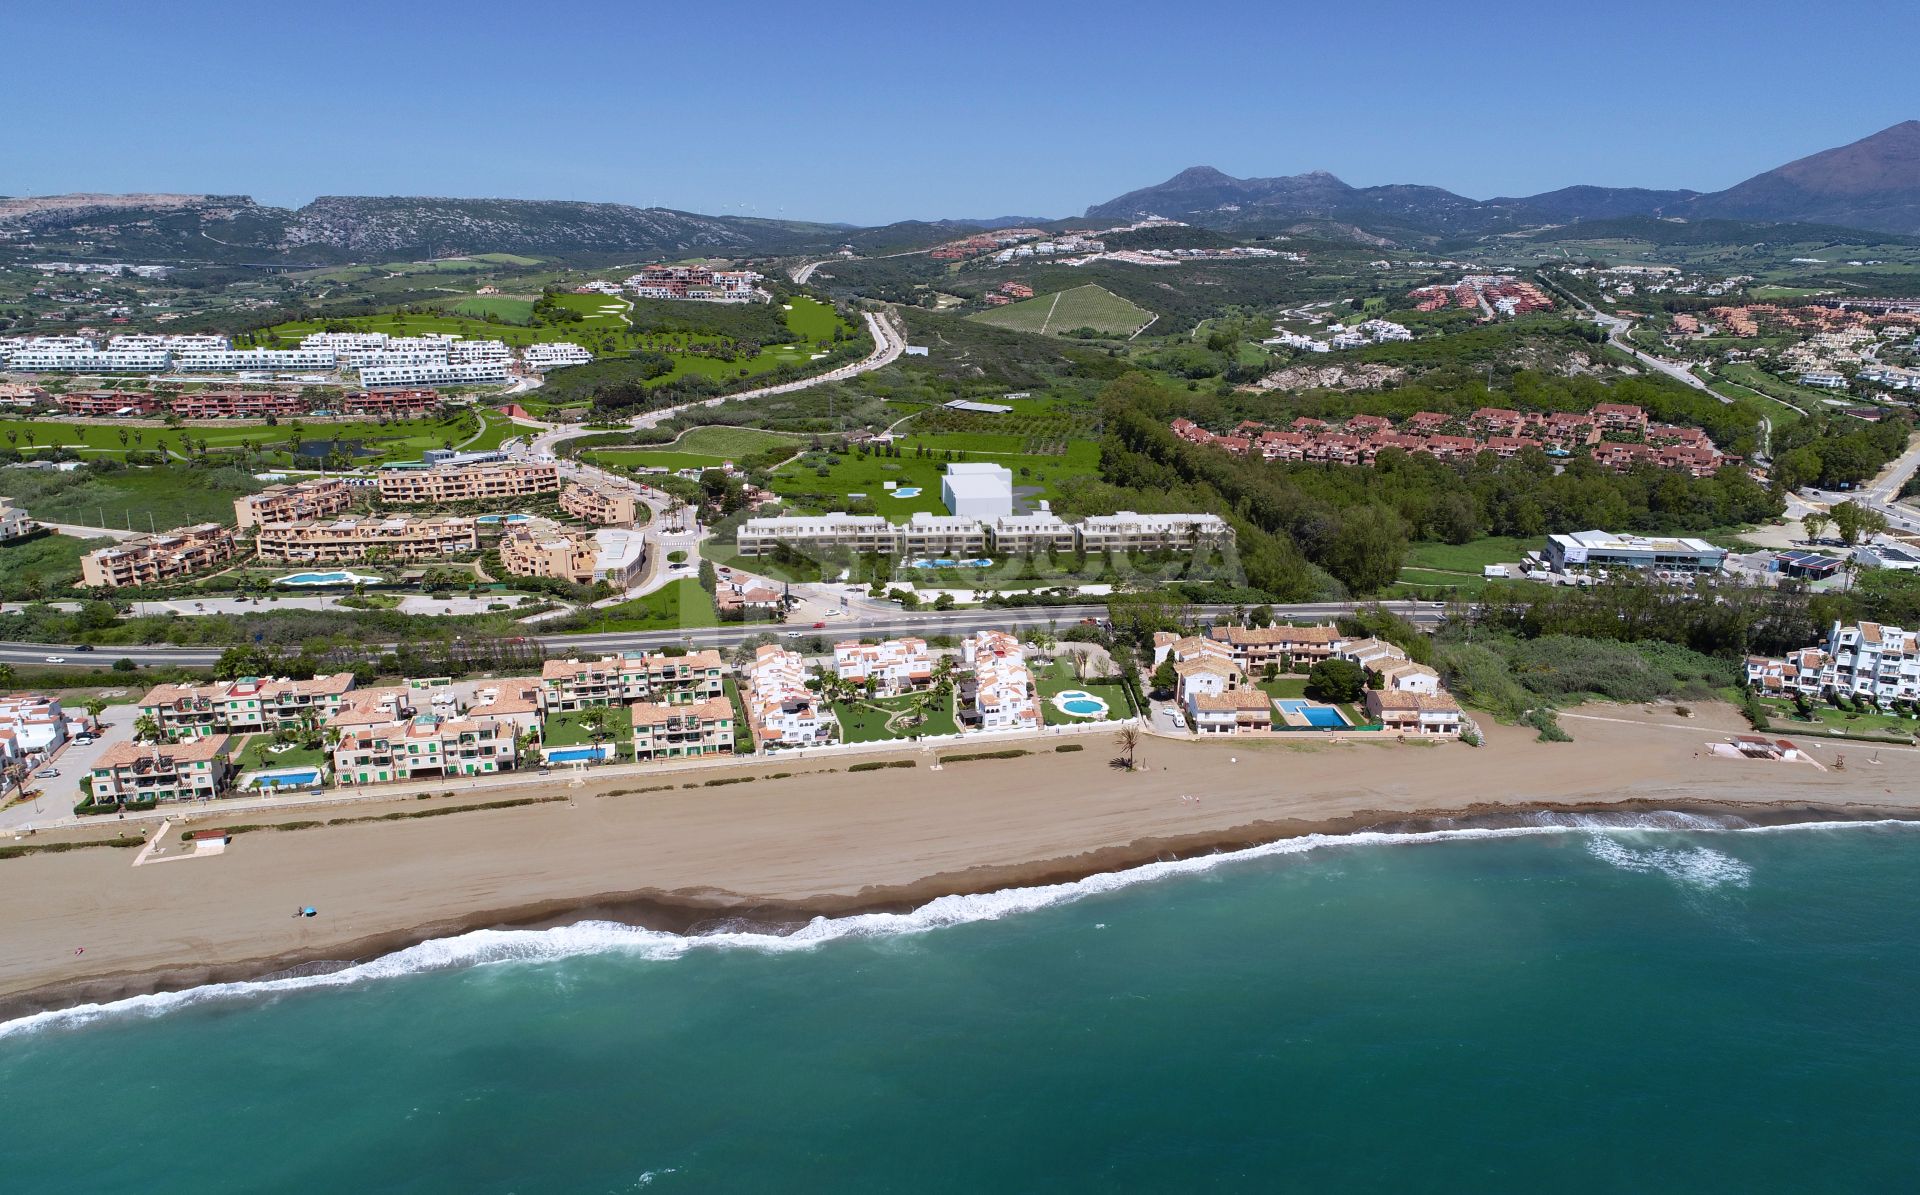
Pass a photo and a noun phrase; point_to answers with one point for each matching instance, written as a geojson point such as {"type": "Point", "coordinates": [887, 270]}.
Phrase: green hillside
{"type": "Point", "coordinates": [1064, 311]}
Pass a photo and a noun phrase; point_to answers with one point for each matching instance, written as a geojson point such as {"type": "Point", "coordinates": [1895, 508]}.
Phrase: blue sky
{"type": "Point", "coordinates": [875, 112]}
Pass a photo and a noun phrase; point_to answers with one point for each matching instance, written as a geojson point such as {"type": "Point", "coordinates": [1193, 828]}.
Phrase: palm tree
{"type": "Point", "coordinates": [146, 728]}
{"type": "Point", "coordinates": [1128, 740]}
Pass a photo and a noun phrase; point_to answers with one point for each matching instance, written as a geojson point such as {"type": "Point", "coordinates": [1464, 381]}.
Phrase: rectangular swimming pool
{"type": "Point", "coordinates": [580, 754]}
{"type": "Point", "coordinates": [1314, 715]}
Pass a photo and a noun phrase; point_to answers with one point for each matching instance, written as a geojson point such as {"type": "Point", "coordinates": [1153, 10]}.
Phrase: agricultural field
{"type": "Point", "coordinates": [1088, 306]}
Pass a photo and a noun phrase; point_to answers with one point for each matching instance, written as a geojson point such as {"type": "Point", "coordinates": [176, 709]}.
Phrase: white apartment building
{"type": "Point", "coordinates": [962, 535]}
{"type": "Point", "coordinates": [1867, 659]}
{"type": "Point", "coordinates": [554, 354]}
{"type": "Point", "coordinates": [30, 724]}
{"type": "Point", "coordinates": [478, 352]}
{"type": "Point", "coordinates": [189, 343]}
{"type": "Point", "coordinates": [89, 360]}
{"type": "Point", "coordinates": [893, 665]}
{"type": "Point", "coordinates": [780, 707]}
{"type": "Point", "coordinates": [1127, 531]}
{"type": "Point", "coordinates": [475, 374]}
{"type": "Point", "coordinates": [266, 360]}
{"type": "Point", "coordinates": [1002, 696]}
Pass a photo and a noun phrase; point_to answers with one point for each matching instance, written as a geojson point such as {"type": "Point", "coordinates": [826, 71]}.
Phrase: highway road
{"type": "Point", "coordinates": [923, 623]}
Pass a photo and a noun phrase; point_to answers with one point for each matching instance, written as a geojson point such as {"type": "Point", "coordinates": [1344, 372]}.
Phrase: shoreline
{"type": "Point", "coordinates": [690, 916]}
{"type": "Point", "coordinates": [776, 855]}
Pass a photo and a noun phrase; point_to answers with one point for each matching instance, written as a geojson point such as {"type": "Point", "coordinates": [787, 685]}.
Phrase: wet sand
{"type": "Point", "coordinates": [829, 842]}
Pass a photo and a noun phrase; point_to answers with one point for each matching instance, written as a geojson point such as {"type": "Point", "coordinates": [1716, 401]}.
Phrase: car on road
{"type": "Point", "coordinates": [56, 659]}
{"type": "Point", "coordinates": [81, 740]}
{"type": "Point", "coordinates": [47, 773]}
{"type": "Point", "coordinates": [819, 626]}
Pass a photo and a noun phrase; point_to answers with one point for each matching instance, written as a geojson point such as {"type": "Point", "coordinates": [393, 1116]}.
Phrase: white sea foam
{"type": "Point", "coordinates": [1695, 865]}
{"type": "Point", "coordinates": [1699, 867]}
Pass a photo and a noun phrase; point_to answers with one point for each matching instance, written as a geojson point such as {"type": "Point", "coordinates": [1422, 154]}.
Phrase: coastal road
{"type": "Point", "coordinates": [923, 623]}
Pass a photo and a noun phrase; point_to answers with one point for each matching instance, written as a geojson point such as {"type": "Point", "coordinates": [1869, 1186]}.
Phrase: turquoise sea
{"type": "Point", "coordinates": [1567, 1009]}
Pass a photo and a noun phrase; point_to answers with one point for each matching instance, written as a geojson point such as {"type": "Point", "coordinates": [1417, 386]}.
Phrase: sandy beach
{"type": "Point", "coordinates": [87, 925]}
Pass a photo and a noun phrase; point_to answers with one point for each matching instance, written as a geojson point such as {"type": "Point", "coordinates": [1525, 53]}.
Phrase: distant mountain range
{"type": "Point", "coordinates": [337, 228]}
{"type": "Point", "coordinates": [1872, 184]}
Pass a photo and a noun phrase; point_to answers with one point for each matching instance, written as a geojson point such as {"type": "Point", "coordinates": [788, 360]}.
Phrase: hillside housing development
{"type": "Point", "coordinates": [379, 360]}
{"type": "Point", "coordinates": [697, 284]}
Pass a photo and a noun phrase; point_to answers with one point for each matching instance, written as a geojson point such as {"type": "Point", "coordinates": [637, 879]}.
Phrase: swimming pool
{"type": "Point", "coordinates": [491, 519]}
{"type": "Point", "coordinates": [907, 491]}
{"type": "Point", "coordinates": [580, 754]}
{"type": "Point", "coordinates": [980, 562]}
{"type": "Point", "coordinates": [334, 578]}
{"type": "Point", "coordinates": [1314, 715]}
{"type": "Point", "coordinates": [287, 778]}
{"type": "Point", "coordinates": [1079, 703]}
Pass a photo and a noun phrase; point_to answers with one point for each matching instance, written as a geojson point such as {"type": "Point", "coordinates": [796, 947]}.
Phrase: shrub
{"type": "Point", "coordinates": [1066, 747]}
{"type": "Point", "coordinates": [876, 765]}
{"type": "Point", "coordinates": [1543, 719]}
{"type": "Point", "coordinates": [1013, 753]}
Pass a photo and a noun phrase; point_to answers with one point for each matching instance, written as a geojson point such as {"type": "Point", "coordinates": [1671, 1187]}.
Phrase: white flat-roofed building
{"type": "Point", "coordinates": [386, 359]}
{"type": "Point", "coordinates": [942, 535]}
{"type": "Point", "coordinates": [474, 374]}
{"type": "Point", "coordinates": [479, 352]}
{"type": "Point", "coordinates": [975, 490]}
{"type": "Point", "coordinates": [29, 724]}
{"type": "Point", "coordinates": [554, 354]}
{"type": "Point", "coordinates": [1042, 531]}
{"type": "Point", "coordinates": [1127, 531]}
{"type": "Point", "coordinates": [250, 360]}
{"type": "Point", "coordinates": [858, 533]}
{"type": "Point", "coordinates": [345, 342]}
{"type": "Point", "coordinates": [90, 360]}
{"type": "Point", "coordinates": [1582, 550]}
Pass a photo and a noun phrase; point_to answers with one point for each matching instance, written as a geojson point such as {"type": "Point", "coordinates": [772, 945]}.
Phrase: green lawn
{"type": "Point", "coordinates": [1832, 718]}
{"type": "Point", "coordinates": [1086, 306]}
{"type": "Point", "coordinates": [254, 754]}
{"type": "Point", "coordinates": [1059, 677]}
{"type": "Point", "coordinates": [853, 474]}
{"type": "Point", "coordinates": [31, 568]}
{"type": "Point", "coordinates": [678, 604]}
{"type": "Point", "coordinates": [371, 442]}
{"type": "Point", "coordinates": [569, 729]}
{"type": "Point", "coordinates": [865, 720]}
{"type": "Point", "coordinates": [1284, 686]}
{"type": "Point", "coordinates": [514, 311]}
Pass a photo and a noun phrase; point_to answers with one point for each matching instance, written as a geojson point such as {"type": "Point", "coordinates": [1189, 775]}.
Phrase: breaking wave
{"type": "Point", "coordinates": [1694, 865]}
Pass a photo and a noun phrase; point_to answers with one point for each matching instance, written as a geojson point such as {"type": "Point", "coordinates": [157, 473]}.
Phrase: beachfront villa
{"type": "Point", "coordinates": [194, 770]}
{"type": "Point", "coordinates": [682, 731]}
{"type": "Point", "coordinates": [424, 745]}
{"type": "Point", "coordinates": [31, 724]}
{"type": "Point", "coordinates": [624, 679]}
{"type": "Point", "coordinates": [1235, 711]}
{"type": "Point", "coordinates": [250, 704]}
{"type": "Point", "coordinates": [782, 710]}
{"type": "Point", "coordinates": [892, 666]}
{"type": "Point", "coordinates": [1000, 693]}
{"type": "Point", "coordinates": [1411, 712]}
